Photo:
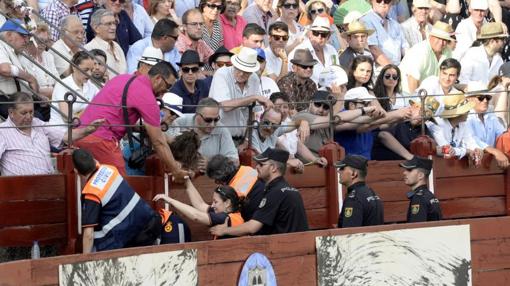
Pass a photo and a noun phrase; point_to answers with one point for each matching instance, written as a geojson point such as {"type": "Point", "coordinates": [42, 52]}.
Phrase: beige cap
{"type": "Point", "coordinates": [422, 3]}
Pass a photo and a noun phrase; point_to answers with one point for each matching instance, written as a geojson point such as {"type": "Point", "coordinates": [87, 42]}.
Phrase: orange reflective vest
{"type": "Point", "coordinates": [235, 219]}
{"type": "Point", "coordinates": [244, 180]}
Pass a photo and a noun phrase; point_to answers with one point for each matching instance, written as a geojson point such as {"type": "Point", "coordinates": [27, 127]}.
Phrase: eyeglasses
{"type": "Point", "coordinates": [113, 23]}
{"type": "Point", "coordinates": [188, 69]}
{"type": "Point", "coordinates": [280, 38]}
{"type": "Point", "coordinates": [218, 7]}
{"type": "Point", "coordinates": [194, 24]}
{"type": "Point", "coordinates": [365, 103]}
{"type": "Point", "coordinates": [290, 6]}
{"type": "Point", "coordinates": [168, 85]}
{"type": "Point", "coordinates": [482, 97]}
{"type": "Point", "coordinates": [317, 11]}
{"type": "Point", "coordinates": [304, 67]}
{"type": "Point", "coordinates": [321, 34]}
{"type": "Point", "coordinates": [222, 64]}
{"type": "Point", "coordinates": [324, 105]}
{"type": "Point", "coordinates": [269, 124]}
{"type": "Point", "coordinates": [209, 120]}
{"type": "Point", "coordinates": [392, 76]}
{"type": "Point", "coordinates": [173, 37]}
{"type": "Point", "coordinates": [385, 1]}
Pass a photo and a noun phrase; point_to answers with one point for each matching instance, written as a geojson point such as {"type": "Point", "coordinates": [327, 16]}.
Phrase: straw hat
{"type": "Point", "coordinates": [431, 106]}
{"type": "Point", "coordinates": [246, 60]}
{"type": "Point", "coordinates": [151, 56]}
{"type": "Point", "coordinates": [357, 27]}
{"type": "Point", "coordinates": [422, 4]}
{"type": "Point", "coordinates": [491, 31]}
{"type": "Point", "coordinates": [327, 3]}
{"type": "Point", "coordinates": [456, 105]}
{"type": "Point", "coordinates": [442, 30]}
{"type": "Point", "coordinates": [479, 5]}
{"type": "Point", "coordinates": [475, 88]}
{"type": "Point", "coordinates": [320, 24]}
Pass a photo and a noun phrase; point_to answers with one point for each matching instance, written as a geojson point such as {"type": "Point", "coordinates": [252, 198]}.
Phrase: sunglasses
{"type": "Point", "coordinates": [321, 34]}
{"type": "Point", "coordinates": [188, 69]}
{"type": "Point", "coordinates": [222, 64]}
{"type": "Point", "coordinates": [482, 97]}
{"type": "Point", "coordinates": [173, 37]}
{"type": "Point", "coordinates": [269, 124]}
{"type": "Point", "coordinates": [120, 1]}
{"type": "Point", "coordinates": [280, 38]}
{"type": "Point", "coordinates": [218, 7]}
{"type": "Point", "coordinates": [392, 76]}
{"type": "Point", "coordinates": [168, 85]}
{"type": "Point", "coordinates": [365, 103]}
{"type": "Point", "coordinates": [385, 1]}
{"type": "Point", "coordinates": [317, 11]}
{"type": "Point", "coordinates": [209, 119]}
{"type": "Point", "coordinates": [290, 6]}
{"type": "Point", "coordinates": [305, 67]}
{"type": "Point", "coordinates": [324, 105]}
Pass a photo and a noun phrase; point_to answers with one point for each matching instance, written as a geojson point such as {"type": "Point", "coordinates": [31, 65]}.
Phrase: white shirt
{"type": "Point", "coordinates": [268, 86]}
{"type": "Point", "coordinates": [462, 138]}
{"type": "Point", "coordinates": [466, 35]}
{"type": "Point", "coordinates": [476, 66]}
{"type": "Point", "coordinates": [114, 58]}
{"type": "Point", "coordinates": [330, 58]}
{"type": "Point", "coordinates": [223, 88]}
{"type": "Point", "coordinates": [43, 78]}
{"type": "Point", "coordinates": [289, 140]}
{"type": "Point", "coordinates": [432, 86]}
{"type": "Point", "coordinates": [273, 62]}
{"type": "Point", "coordinates": [88, 91]}
{"type": "Point", "coordinates": [411, 31]}
{"type": "Point", "coordinates": [61, 64]}
{"type": "Point", "coordinates": [7, 55]}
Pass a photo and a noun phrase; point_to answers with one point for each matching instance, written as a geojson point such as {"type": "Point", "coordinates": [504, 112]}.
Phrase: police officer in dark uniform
{"type": "Point", "coordinates": [423, 205]}
{"type": "Point", "coordinates": [281, 210]}
{"type": "Point", "coordinates": [361, 206]}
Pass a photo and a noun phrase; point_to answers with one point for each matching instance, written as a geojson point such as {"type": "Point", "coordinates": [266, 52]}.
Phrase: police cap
{"type": "Point", "coordinates": [354, 161]}
{"type": "Point", "coordinates": [274, 154]}
{"type": "Point", "coordinates": [417, 162]}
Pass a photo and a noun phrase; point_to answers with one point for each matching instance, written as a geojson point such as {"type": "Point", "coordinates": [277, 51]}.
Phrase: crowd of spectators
{"type": "Point", "coordinates": [274, 75]}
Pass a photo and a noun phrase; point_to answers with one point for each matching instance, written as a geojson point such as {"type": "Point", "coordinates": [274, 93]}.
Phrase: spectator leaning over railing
{"type": "Point", "coordinates": [236, 87]}
{"type": "Point", "coordinates": [55, 12]}
{"type": "Point", "coordinates": [281, 210]}
{"type": "Point", "coordinates": [214, 137]}
{"type": "Point", "coordinates": [104, 24]}
{"type": "Point", "coordinates": [25, 141]}
{"type": "Point", "coordinates": [71, 37]}
{"type": "Point", "coordinates": [141, 104]}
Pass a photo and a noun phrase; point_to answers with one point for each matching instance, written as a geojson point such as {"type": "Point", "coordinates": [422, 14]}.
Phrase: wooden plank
{"type": "Point", "coordinates": [219, 274]}
{"type": "Point", "coordinates": [491, 254]}
{"type": "Point", "coordinates": [445, 168]}
{"type": "Point", "coordinates": [15, 273]}
{"type": "Point", "coordinates": [473, 207]}
{"type": "Point", "coordinates": [491, 277]}
{"type": "Point", "coordinates": [221, 250]}
{"type": "Point", "coordinates": [298, 270]}
{"type": "Point", "coordinates": [317, 218]}
{"type": "Point", "coordinates": [473, 186]}
{"type": "Point", "coordinates": [395, 211]}
{"type": "Point", "coordinates": [314, 198]}
{"type": "Point", "coordinates": [384, 171]}
{"type": "Point", "coordinates": [390, 191]}
{"type": "Point", "coordinates": [313, 176]}
{"type": "Point", "coordinates": [30, 188]}
{"type": "Point", "coordinates": [25, 235]}
{"type": "Point", "coordinates": [143, 185]}
{"type": "Point", "coordinates": [32, 212]}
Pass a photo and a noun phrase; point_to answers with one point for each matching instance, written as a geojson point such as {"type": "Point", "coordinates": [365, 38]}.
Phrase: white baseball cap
{"type": "Point", "coordinates": [332, 75]}
{"type": "Point", "coordinates": [479, 5]}
{"type": "Point", "coordinates": [358, 93]}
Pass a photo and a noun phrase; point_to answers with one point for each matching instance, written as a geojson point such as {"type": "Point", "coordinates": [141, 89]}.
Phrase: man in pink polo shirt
{"type": "Point", "coordinates": [141, 102]}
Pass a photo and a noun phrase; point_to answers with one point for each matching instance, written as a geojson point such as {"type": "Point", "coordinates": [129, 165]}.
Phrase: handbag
{"type": "Point", "coordinates": [138, 156]}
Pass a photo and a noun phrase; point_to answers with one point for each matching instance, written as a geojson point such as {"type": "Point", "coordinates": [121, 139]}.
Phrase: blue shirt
{"type": "Point", "coordinates": [136, 50]}
{"type": "Point", "coordinates": [127, 33]}
{"type": "Point", "coordinates": [391, 42]}
{"type": "Point", "coordinates": [356, 143]}
{"type": "Point", "coordinates": [201, 91]}
{"type": "Point", "coordinates": [485, 133]}
{"type": "Point", "coordinates": [182, 6]}
{"type": "Point", "coordinates": [142, 21]}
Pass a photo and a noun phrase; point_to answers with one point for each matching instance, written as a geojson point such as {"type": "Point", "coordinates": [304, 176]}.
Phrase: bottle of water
{"type": "Point", "coordinates": [36, 252]}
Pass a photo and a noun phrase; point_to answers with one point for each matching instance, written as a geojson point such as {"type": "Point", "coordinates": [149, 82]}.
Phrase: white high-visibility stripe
{"type": "Point", "coordinates": [109, 194]}
{"type": "Point", "coordinates": [180, 226]}
{"type": "Point", "coordinates": [119, 218]}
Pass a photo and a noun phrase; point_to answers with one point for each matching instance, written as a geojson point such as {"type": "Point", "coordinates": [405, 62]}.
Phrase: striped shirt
{"type": "Point", "coordinates": [27, 154]}
{"type": "Point", "coordinates": [214, 40]}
